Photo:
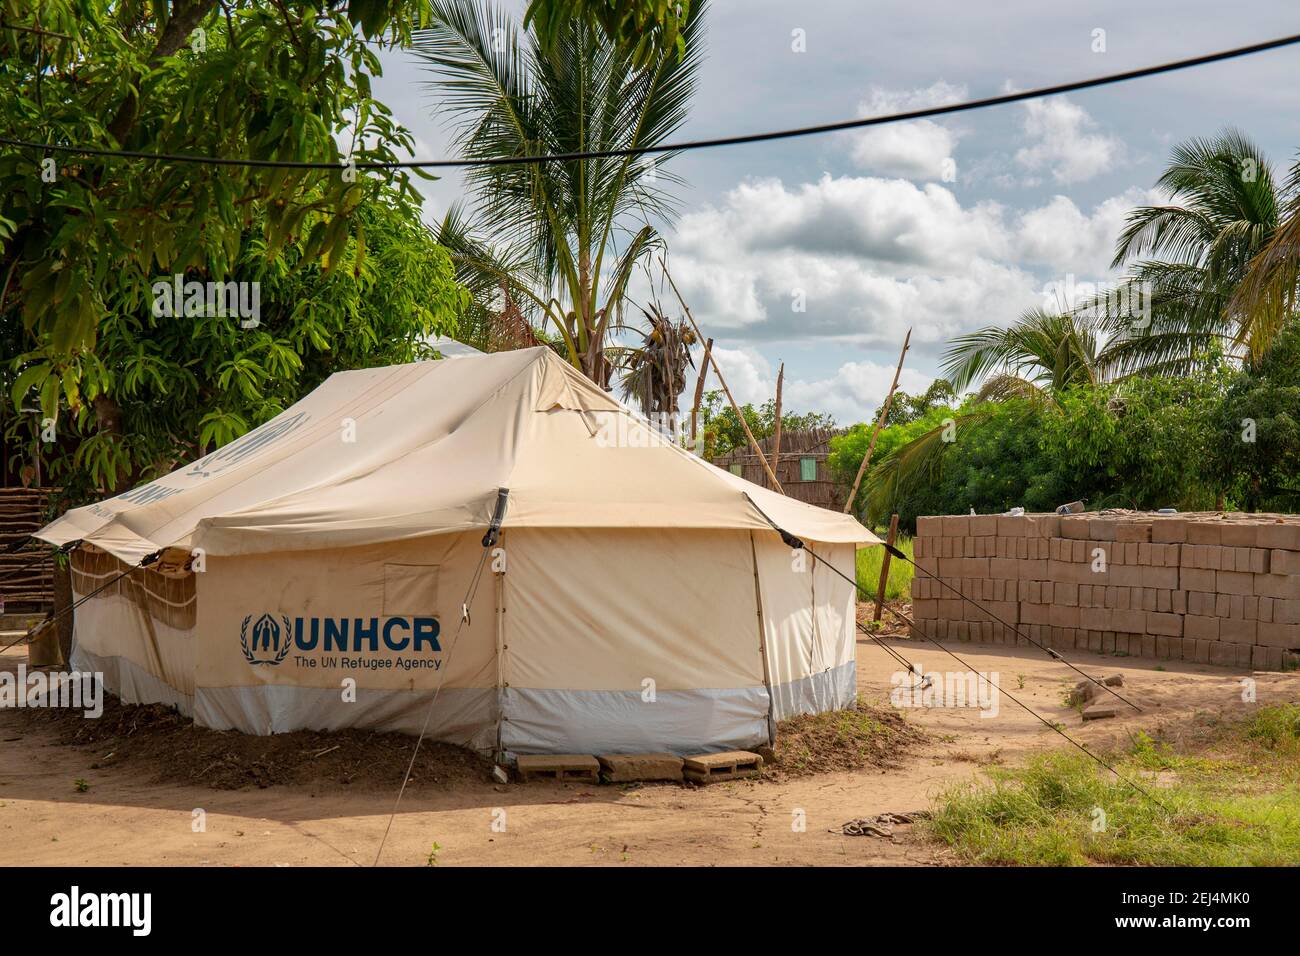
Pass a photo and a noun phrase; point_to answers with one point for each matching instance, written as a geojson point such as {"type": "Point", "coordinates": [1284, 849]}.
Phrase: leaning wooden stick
{"type": "Point", "coordinates": [699, 391]}
{"type": "Point", "coordinates": [889, 400]}
{"type": "Point", "coordinates": [776, 434]}
{"type": "Point", "coordinates": [884, 566]}
{"type": "Point", "coordinates": [753, 442]}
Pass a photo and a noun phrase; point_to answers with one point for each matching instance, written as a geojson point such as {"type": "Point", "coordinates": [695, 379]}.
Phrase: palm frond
{"type": "Point", "coordinates": [1003, 388]}
{"type": "Point", "coordinates": [1052, 350]}
{"type": "Point", "coordinates": [1215, 183]}
{"type": "Point", "coordinates": [557, 222]}
{"type": "Point", "coordinates": [920, 460]}
{"type": "Point", "coordinates": [1266, 298]}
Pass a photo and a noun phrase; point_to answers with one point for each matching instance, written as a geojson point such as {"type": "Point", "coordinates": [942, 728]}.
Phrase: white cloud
{"type": "Point", "coordinates": [869, 258]}
{"type": "Point", "coordinates": [1063, 237]}
{"type": "Point", "coordinates": [883, 100]}
{"type": "Point", "coordinates": [920, 149]}
{"type": "Point", "coordinates": [866, 259]}
{"type": "Point", "coordinates": [1064, 142]}
{"type": "Point", "coordinates": [854, 392]}
{"type": "Point", "coordinates": [749, 376]}
{"type": "Point", "coordinates": [851, 394]}
{"type": "Point", "coordinates": [898, 224]}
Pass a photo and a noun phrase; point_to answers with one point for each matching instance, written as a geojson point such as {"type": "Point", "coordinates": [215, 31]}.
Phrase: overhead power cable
{"type": "Point", "coordinates": [685, 145]}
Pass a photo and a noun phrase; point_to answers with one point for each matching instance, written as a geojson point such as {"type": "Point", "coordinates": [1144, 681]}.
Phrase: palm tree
{"type": "Point", "coordinates": [1036, 360]}
{"type": "Point", "coordinates": [654, 372]}
{"type": "Point", "coordinates": [1180, 309]}
{"type": "Point", "coordinates": [1041, 355]}
{"type": "Point", "coordinates": [1266, 299]}
{"type": "Point", "coordinates": [1189, 257]}
{"type": "Point", "coordinates": [561, 238]}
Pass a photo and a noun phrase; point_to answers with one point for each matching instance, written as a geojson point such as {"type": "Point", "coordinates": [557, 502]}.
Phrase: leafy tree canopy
{"type": "Point", "coordinates": [1141, 444]}
{"type": "Point", "coordinates": [344, 273]}
{"type": "Point", "coordinates": [187, 384]}
{"type": "Point", "coordinates": [723, 432]}
{"type": "Point", "coordinates": [639, 28]}
{"type": "Point", "coordinates": [991, 468]}
{"type": "Point", "coordinates": [908, 408]}
{"type": "Point", "coordinates": [1256, 429]}
{"type": "Point", "coordinates": [86, 236]}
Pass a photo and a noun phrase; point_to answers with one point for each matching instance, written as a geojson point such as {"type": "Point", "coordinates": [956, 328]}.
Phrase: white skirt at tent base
{"type": "Point", "coordinates": [329, 570]}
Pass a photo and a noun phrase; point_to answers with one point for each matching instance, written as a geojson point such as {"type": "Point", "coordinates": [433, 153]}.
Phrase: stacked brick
{"type": "Point", "coordinates": [1209, 588]}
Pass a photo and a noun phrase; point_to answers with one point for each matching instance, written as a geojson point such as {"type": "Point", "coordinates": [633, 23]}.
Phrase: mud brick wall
{"type": "Point", "coordinates": [1209, 588]}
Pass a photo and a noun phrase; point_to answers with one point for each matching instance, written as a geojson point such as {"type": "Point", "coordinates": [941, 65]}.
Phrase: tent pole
{"type": "Point", "coordinates": [762, 647]}
{"type": "Point", "coordinates": [501, 665]}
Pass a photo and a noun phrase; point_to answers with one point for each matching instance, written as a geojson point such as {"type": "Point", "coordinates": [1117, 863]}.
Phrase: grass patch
{"type": "Point", "coordinates": [899, 583]}
{"type": "Point", "coordinates": [1235, 801]}
{"type": "Point", "coordinates": [850, 739]}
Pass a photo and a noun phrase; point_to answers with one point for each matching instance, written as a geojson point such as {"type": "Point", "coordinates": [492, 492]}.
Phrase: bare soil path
{"type": "Point", "coordinates": [123, 818]}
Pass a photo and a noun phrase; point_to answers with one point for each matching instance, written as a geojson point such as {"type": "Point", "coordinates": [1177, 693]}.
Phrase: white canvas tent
{"type": "Point", "coordinates": [638, 599]}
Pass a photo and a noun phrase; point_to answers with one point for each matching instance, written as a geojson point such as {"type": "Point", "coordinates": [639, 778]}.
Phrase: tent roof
{"type": "Point", "coordinates": [385, 454]}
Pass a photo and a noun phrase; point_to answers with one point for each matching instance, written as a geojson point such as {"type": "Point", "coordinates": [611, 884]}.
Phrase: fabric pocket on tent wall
{"type": "Point", "coordinates": [411, 589]}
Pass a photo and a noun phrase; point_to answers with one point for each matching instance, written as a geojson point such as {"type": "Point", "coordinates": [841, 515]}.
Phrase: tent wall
{"type": "Point", "coordinates": [593, 641]}
{"type": "Point", "coordinates": [808, 612]}
{"type": "Point", "coordinates": [321, 592]}
{"type": "Point", "coordinates": [632, 641]}
{"type": "Point", "coordinates": [129, 633]}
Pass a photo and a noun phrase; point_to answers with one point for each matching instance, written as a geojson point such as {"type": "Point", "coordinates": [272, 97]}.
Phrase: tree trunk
{"type": "Point", "coordinates": [108, 418]}
{"type": "Point", "coordinates": [180, 24]}
{"type": "Point", "coordinates": [594, 364]}
{"type": "Point", "coordinates": [63, 601]}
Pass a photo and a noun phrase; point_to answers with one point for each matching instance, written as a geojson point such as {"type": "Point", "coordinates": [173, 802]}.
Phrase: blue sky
{"type": "Point", "coordinates": [873, 232]}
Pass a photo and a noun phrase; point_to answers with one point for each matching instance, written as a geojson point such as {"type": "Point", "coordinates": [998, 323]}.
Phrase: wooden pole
{"type": "Point", "coordinates": [889, 400]}
{"type": "Point", "coordinates": [884, 567]}
{"type": "Point", "coordinates": [776, 435]}
{"type": "Point", "coordinates": [753, 442]}
{"type": "Point", "coordinates": [699, 391]}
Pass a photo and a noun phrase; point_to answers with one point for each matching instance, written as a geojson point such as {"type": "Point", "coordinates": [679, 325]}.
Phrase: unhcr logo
{"type": "Point", "coordinates": [269, 645]}
{"type": "Point", "coordinates": [270, 638]}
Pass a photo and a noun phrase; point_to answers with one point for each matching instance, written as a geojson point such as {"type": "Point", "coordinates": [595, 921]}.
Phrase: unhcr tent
{"type": "Point", "coordinates": [329, 570]}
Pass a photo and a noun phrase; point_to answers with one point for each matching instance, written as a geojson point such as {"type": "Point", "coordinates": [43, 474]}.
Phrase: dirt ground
{"type": "Point", "coordinates": [125, 816]}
